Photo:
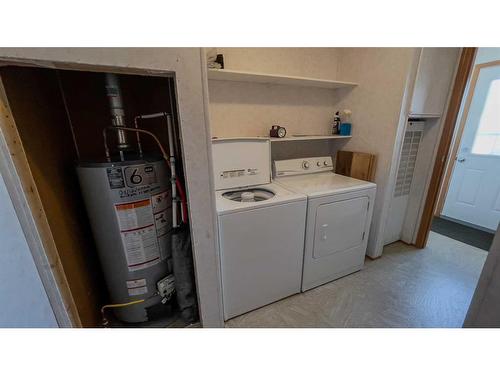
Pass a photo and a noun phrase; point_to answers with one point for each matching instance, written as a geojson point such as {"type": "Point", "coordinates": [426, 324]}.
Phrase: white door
{"type": "Point", "coordinates": [474, 192]}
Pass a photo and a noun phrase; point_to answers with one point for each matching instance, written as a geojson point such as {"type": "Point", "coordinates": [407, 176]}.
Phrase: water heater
{"type": "Point", "coordinates": [130, 204]}
{"type": "Point", "coordinates": [129, 208]}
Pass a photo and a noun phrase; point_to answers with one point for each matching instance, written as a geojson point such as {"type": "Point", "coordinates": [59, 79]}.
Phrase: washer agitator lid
{"type": "Point", "coordinates": [249, 195]}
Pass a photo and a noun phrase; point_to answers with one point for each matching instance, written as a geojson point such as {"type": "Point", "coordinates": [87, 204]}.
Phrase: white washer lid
{"type": "Point", "coordinates": [240, 162]}
{"type": "Point", "coordinates": [282, 195]}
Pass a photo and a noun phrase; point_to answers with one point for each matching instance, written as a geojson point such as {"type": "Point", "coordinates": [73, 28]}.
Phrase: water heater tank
{"type": "Point", "coordinates": [129, 208]}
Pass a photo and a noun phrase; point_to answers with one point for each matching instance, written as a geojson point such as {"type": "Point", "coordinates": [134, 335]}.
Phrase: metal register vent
{"type": "Point", "coordinates": [408, 158]}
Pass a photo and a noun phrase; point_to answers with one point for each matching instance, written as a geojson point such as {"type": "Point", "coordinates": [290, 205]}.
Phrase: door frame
{"type": "Point", "coordinates": [450, 165]}
{"type": "Point", "coordinates": [465, 66]}
{"type": "Point", "coordinates": [19, 183]}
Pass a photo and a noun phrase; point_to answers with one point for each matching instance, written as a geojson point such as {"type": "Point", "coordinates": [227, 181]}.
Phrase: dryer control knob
{"type": "Point", "coordinates": [325, 163]}
{"type": "Point", "coordinates": [318, 164]}
{"type": "Point", "coordinates": [305, 165]}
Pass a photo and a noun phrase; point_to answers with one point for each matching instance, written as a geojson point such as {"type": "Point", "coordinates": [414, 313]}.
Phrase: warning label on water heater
{"type": "Point", "coordinates": [138, 233]}
{"type": "Point", "coordinates": [115, 178]}
{"type": "Point", "coordinates": [137, 287]}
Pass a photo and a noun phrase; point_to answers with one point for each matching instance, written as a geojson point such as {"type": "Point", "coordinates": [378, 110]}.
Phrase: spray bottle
{"type": "Point", "coordinates": [336, 123]}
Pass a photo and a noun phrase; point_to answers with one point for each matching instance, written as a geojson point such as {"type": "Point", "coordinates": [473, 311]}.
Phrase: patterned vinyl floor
{"type": "Point", "coordinates": [406, 287]}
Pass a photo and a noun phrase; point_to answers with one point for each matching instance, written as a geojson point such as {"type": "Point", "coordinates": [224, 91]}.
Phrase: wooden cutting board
{"type": "Point", "coordinates": [358, 165]}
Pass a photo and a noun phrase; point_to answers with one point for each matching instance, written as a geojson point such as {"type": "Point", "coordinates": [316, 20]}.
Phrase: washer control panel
{"type": "Point", "coordinates": [293, 167]}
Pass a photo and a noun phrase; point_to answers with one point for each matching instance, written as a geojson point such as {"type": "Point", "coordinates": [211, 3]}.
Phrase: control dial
{"type": "Point", "coordinates": [305, 164]}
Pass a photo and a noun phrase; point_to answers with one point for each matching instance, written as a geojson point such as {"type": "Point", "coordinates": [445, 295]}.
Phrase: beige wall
{"type": "Point", "coordinates": [302, 62]}
{"type": "Point", "coordinates": [249, 109]}
{"type": "Point", "coordinates": [382, 74]}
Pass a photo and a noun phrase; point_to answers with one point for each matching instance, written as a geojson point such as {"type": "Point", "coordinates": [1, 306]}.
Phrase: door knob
{"type": "Point", "coordinates": [461, 160]}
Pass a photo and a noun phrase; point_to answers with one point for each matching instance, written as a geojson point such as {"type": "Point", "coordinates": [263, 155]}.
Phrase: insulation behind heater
{"type": "Point", "coordinates": [182, 259]}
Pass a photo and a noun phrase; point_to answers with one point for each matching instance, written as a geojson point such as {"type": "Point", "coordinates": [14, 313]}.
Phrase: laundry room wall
{"type": "Point", "coordinates": [383, 75]}
{"type": "Point", "coordinates": [302, 62]}
{"type": "Point", "coordinates": [249, 109]}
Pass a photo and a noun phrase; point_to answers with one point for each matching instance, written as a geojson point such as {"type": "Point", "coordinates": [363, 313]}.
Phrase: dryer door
{"type": "Point", "coordinates": [339, 226]}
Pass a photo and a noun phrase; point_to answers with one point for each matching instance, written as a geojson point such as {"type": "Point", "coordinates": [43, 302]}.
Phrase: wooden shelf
{"type": "Point", "coordinates": [309, 138]}
{"type": "Point", "coordinates": [239, 76]}
{"type": "Point", "coordinates": [424, 115]}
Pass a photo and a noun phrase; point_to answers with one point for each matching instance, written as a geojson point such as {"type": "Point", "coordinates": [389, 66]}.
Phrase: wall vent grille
{"type": "Point", "coordinates": [407, 162]}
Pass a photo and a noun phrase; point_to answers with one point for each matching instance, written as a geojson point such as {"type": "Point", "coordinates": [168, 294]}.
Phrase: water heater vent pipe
{"type": "Point", "coordinates": [114, 94]}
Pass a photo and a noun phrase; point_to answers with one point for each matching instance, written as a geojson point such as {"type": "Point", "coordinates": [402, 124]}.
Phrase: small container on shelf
{"type": "Point", "coordinates": [345, 128]}
{"type": "Point", "coordinates": [345, 125]}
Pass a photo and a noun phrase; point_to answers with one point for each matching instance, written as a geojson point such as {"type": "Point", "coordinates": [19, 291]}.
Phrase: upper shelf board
{"type": "Point", "coordinates": [308, 137]}
{"type": "Point", "coordinates": [424, 115]}
{"type": "Point", "coordinates": [238, 76]}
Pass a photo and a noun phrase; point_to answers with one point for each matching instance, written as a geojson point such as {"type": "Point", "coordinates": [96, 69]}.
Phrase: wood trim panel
{"type": "Point", "coordinates": [458, 138]}
{"type": "Point", "coordinates": [464, 69]}
{"type": "Point", "coordinates": [28, 205]}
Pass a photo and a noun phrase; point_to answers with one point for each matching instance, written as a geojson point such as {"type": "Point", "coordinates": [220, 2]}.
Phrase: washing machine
{"type": "Point", "coordinates": [339, 214]}
{"type": "Point", "coordinates": [261, 227]}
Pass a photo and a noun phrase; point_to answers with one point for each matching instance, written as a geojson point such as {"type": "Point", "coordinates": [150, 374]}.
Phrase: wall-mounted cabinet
{"type": "Point", "coordinates": [435, 71]}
